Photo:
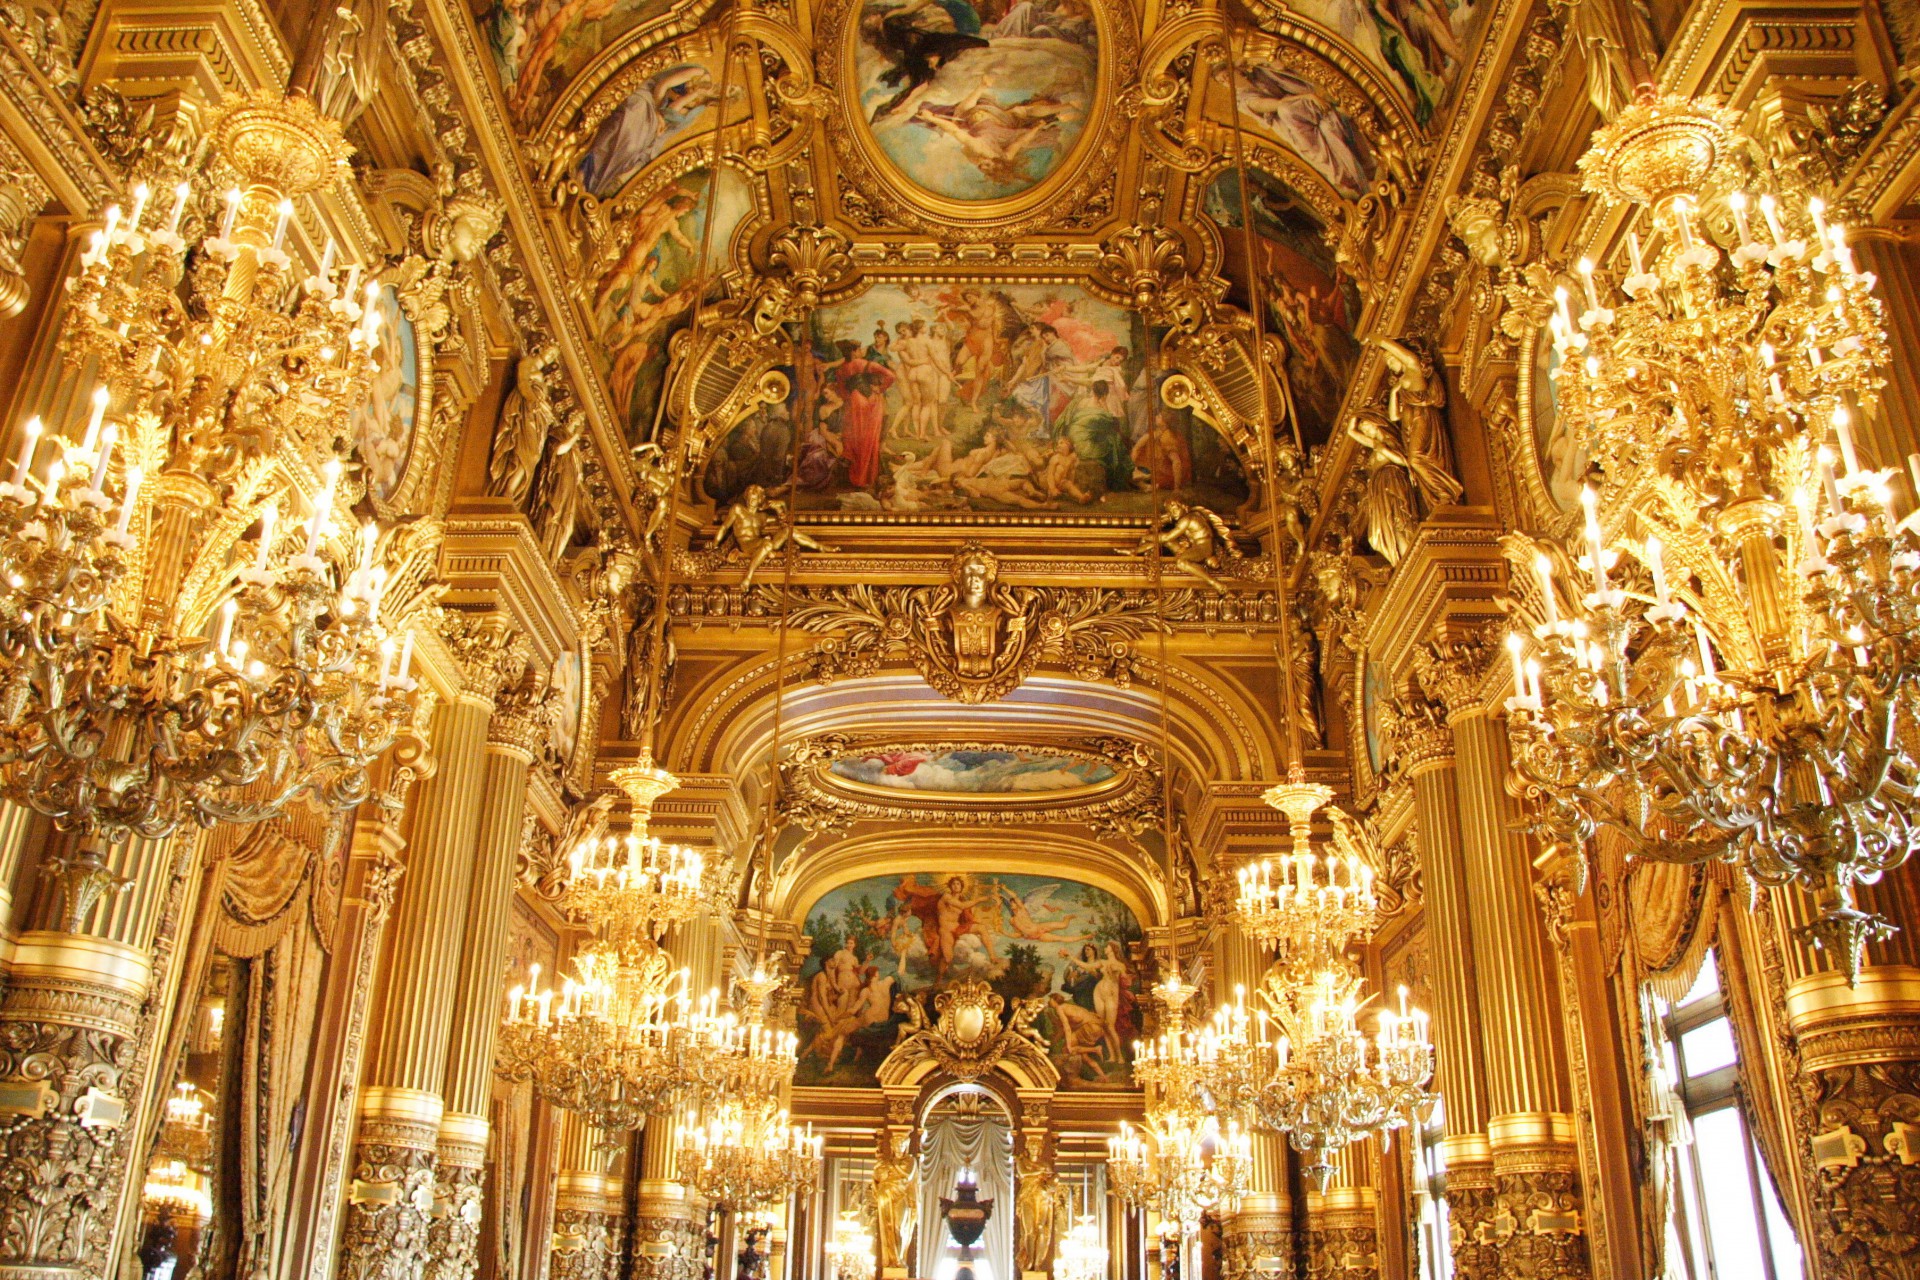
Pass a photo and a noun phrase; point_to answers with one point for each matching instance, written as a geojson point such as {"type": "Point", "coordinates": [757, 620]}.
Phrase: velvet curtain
{"type": "Point", "coordinates": [983, 1144]}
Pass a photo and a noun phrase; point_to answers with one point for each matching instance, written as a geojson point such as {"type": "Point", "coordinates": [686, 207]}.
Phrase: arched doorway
{"type": "Point", "coordinates": [966, 1136]}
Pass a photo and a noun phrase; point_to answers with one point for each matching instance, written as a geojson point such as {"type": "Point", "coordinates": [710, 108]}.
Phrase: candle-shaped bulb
{"type": "Point", "coordinates": [100, 395]}
{"type": "Point", "coordinates": [134, 477]}
{"type": "Point", "coordinates": [29, 443]}
{"type": "Point", "coordinates": [233, 211]}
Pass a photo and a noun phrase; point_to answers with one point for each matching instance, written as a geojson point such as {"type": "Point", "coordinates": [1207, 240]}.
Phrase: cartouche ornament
{"type": "Point", "coordinates": [1723, 664]}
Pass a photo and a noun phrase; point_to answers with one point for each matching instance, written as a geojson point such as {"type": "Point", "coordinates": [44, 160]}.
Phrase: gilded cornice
{"type": "Point", "coordinates": [1453, 568]}
{"type": "Point", "coordinates": [41, 123]}
{"type": "Point", "coordinates": [527, 270]}
{"type": "Point", "coordinates": [224, 47]}
{"type": "Point", "coordinates": [1721, 41]}
{"type": "Point", "coordinates": [489, 559]}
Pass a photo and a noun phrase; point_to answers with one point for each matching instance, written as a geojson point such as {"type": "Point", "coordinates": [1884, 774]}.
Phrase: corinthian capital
{"type": "Point", "coordinates": [489, 649]}
{"type": "Point", "coordinates": [1449, 669]}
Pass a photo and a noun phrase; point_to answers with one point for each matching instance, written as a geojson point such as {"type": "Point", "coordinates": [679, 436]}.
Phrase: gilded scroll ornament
{"type": "Point", "coordinates": [976, 639]}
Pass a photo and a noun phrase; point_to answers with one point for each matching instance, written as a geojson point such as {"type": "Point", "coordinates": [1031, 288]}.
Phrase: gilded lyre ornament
{"type": "Point", "coordinates": [1730, 673]}
{"type": "Point", "coordinates": [976, 639]}
{"type": "Point", "coordinates": [155, 673]}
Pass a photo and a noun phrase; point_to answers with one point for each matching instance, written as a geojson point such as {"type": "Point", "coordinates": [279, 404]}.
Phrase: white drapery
{"type": "Point", "coordinates": [983, 1144]}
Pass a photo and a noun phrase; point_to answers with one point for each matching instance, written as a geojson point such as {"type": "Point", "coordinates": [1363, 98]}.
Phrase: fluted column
{"type": "Point", "coordinates": [1426, 745]}
{"type": "Point", "coordinates": [517, 724]}
{"type": "Point", "coordinates": [590, 1205]}
{"type": "Point", "coordinates": [401, 1108]}
{"type": "Point", "coordinates": [1538, 1215]}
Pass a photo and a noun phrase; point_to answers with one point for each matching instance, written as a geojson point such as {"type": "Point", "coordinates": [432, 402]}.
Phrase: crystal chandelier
{"type": "Point", "coordinates": [153, 673]}
{"type": "Point", "coordinates": [850, 1247]}
{"type": "Point", "coordinates": [1081, 1255]}
{"type": "Point", "coordinates": [746, 1154]}
{"type": "Point", "coordinates": [613, 1043]}
{"type": "Point", "coordinates": [1331, 1085]}
{"type": "Point", "coordinates": [738, 1056]}
{"type": "Point", "coordinates": [186, 1128]}
{"type": "Point", "coordinates": [1728, 669]}
{"type": "Point", "coordinates": [1301, 903]}
{"type": "Point", "coordinates": [171, 1187]}
{"type": "Point", "coordinates": [1179, 1166]}
{"type": "Point", "coordinates": [1316, 1077]}
{"type": "Point", "coordinates": [637, 882]}
{"type": "Point", "coordinates": [1194, 1067]}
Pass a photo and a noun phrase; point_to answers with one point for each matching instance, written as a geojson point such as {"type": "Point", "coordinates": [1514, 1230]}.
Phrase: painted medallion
{"type": "Point", "coordinates": [383, 427]}
{"type": "Point", "coordinates": [976, 99]}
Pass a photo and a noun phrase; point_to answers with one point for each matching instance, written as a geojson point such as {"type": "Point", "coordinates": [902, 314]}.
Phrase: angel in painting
{"type": "Point", "coordinates": [1024, 911]}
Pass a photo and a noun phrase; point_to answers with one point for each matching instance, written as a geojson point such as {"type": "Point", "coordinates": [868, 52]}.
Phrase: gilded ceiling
{"type": "Point", "coordinates": [1004, 207]}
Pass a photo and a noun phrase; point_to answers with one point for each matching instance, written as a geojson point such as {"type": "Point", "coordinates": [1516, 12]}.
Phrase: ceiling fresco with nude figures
{"type": "Point", "coordinates": [1012, 210]}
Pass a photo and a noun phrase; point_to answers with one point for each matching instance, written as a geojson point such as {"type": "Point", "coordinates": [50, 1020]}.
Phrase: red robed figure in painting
{"type": "Point", "coordinates": [863, 384]}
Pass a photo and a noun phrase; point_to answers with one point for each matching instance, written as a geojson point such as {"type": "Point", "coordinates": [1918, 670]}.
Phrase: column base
{"type": "Point", "coordinates": [72, 1011]}
{"type": "Point", "coordinates": [1860, 1052]}
{"type": "Point", "coordinates": [1347, 1238]}
{"type": "Point", "coordinates": [453, 1235]}
{"type": "Point", "coordinates": [1538, 1202]}
{"type": "Point", "coordinates": [1259, 1240]}
{"type": "Point", "coordinates": [1470, 1212]}
{"type": "Point", "coordinates": [390, 1202]}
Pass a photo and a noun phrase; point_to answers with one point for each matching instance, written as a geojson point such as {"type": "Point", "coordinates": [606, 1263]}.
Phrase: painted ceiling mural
{"type": "Point", "coordinates": [983, 354]}
{"type": "Point", "coordinates": [1029, 937]}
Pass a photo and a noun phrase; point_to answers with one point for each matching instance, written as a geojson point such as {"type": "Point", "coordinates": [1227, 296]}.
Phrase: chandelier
{"type": "Point", "coordinates": [850, 1247]}
{"type": "Point", "coordinates": [186, 1127]}
{"type": "Point", "coordinates": [637, 884]}
{"type": "Point", "coordinates": [1081, 1255]}
{"type": "Point", "coordinates": [172, 1187]}
{"type": "Point", "coordinates": [746, 1154]}
{"type": "Point", "coordinates": [738, 1056]}
{"type": "Point", "coordinates": [155, 671]}
{"type": "Point", "coordinates": [1179, 1166]}
{"type": "Point", "coordinates": [1195, 1067]}
{"type": "Point", "coordinates": [1329, 1084]}
{"type": "Point", "coordinates": [1724, 668]}
{"type": "Point", "coordinates": [1301, 903]}
{"type": "Point", "coordinates": [613, 1043]}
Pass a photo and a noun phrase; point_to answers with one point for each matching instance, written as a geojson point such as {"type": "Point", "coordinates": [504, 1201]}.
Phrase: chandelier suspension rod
{"type": "Point", "coordinates": [1256, 307]}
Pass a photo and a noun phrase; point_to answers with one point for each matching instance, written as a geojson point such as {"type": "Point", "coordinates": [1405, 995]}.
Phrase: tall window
{"type": "Point", "coordinates": [1430, 1197]}
{"type": "Point", "coordinates": [1725, 1223]}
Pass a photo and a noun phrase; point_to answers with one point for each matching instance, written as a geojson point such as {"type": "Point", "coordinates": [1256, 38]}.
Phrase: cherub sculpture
{"type": "Point", "coordinates": [1197, 540]}
{"type": "Point", "coordinates": [759, 525]}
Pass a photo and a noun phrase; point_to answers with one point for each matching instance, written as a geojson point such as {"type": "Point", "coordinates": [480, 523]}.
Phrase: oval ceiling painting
{"type": "Point", "coordinates": [976, 100]}
{"type": "Point", "coordinates": [961, 772]}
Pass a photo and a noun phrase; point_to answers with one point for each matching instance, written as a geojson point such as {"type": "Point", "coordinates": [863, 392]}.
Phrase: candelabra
{"type": "Point", "coordinates": [614, 1043]}
{"type": "Point", "coordinates": [743, 1155]}
{"type": "Point", "coordinates": [1179, 1166]}
{"type": "Point", "coordinates": [1329, 1084]}
{"type": "Point", "coordinates": [1196, 1068]}
{"type": "Point", "coordinates": [850, 1247]}
{"type": "Point", "coordinates": [1740, 684]}
{"type": "Point", "coordinates": [222, 385]}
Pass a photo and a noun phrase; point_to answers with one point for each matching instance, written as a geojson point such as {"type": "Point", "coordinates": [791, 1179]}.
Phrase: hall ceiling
{"type": "Point", "coordinates": [968, 149]}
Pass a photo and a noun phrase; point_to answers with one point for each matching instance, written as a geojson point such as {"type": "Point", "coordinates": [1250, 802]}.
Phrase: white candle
{"type": "Point", "coordinates": [1681, 208]}
{"type": "Point", "coordinates": [1768, 211]}
{"type": "Point", "coordinates": [1590, 501]}
{"type": "Point", "coordinates": [1656, 565]}
{"type": "Point", "coordinates": [406, 656]}
{"type": "Point", "coordinates": [1737, 201]}
{"type": "Point", "coordinates": [1706, 649]}
{"type": "Point", "coordinates": [1544, 567]}
{"type": "Point", "coordinates": [1843, 428]}
{"type": "Point", "coordinates": [100, 463]}
{"type": "Point", "coordinates": [233, 211]}
{"type": "Point", "coordinates": [140, 193]}
{"type": "Point", "coordinates": [1633, 248]}
{"type": "Point", "coordinates": [1586, 278]}
{"type": "Point", "coordinates": [1833, 490]}
{"type": "Point", "coordinates": [180, 194]}
{"type": "Point", "coordinates": [280, 227]}
{"type": "Point", "coordinates": [93, 423]}
{"type": "Point", "coordinates": [31, 442]}
{"type": "Point", "coordinates": [226, 627]}
{"type": "Point", "coordinates": [134, 477]}
{"type": "Point", "coordinates": [1817, 209]}
{"type": "Point", "coordinates": [113, 221]}
{"type": "Point", "coordinates": [323, 505]}
{"type": "Point", "coordinates": [326, 259]}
